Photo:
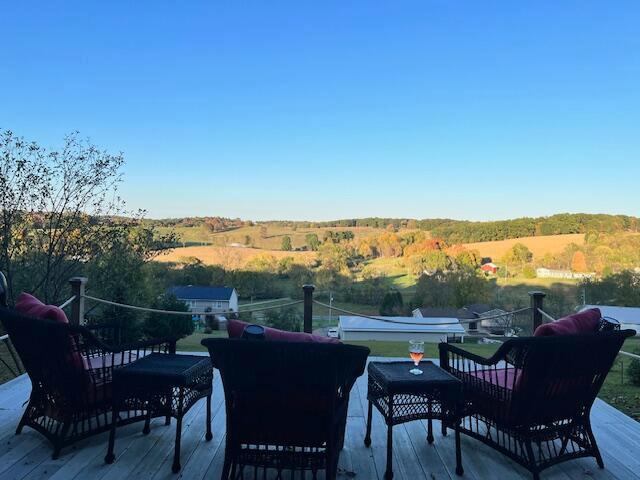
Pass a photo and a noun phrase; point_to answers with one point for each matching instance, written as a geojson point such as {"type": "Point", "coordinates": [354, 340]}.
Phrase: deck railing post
{"type": "Point", "coordinates": [4, 290]}
{"type": "Point", "coordinates": [77, 306]}
{"type": "Point", "coordinates": [308, 308]}
{"type": "Point", "coordinates": [537, 300]}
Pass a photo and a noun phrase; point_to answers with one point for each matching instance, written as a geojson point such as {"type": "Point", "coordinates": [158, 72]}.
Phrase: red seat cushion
{"type": "Point", "coordinates": [583, 322]}
{"type": "Point", "coordinates": [236, 327]}
{"type": "Point", "coordinates": [508, 378]}
{"type": "Point", "coordinates": [32, 307]}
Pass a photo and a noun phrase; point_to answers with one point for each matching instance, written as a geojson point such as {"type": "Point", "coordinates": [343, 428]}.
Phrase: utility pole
{"type": "Point", "coordinates": [330, 304]}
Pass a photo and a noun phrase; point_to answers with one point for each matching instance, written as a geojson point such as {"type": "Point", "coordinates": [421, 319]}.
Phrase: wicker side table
{"type": "Point", "coordinates": [403, 397]}
{"type": "Point", "coordinates": [163, 385]}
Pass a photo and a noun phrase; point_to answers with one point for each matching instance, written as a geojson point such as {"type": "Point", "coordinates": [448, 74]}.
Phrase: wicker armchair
{"type": "Point", "coordinates": [532, 399]}
{"type": "Point", "coordinates": [286, 403]}
{"type": "Point", "coordinates": [70, 369]}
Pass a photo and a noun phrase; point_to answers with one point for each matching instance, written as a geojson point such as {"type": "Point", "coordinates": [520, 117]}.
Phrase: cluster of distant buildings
{"type": "Point", "coordinates": [491, 268]}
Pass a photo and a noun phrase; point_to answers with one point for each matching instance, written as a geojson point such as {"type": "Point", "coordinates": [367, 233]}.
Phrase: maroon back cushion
{"type": "Point", "coordinates": [236, 327]}
{"type": "Point", "coordinates": [583, 322]}
{"type": "Point", "coordinates": [32, 307]}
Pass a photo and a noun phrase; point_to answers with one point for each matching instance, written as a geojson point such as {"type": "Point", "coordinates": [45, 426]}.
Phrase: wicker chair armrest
{"type": "Point", "coordinates": [94, 342]}
{"type": "Point", "coordinates": [169, 343]}
{"type": "Point", "coordinates": [447, 347]}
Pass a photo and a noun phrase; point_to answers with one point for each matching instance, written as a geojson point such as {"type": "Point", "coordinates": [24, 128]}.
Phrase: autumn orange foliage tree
{"type": "Point", "coordinates": [579, 262]}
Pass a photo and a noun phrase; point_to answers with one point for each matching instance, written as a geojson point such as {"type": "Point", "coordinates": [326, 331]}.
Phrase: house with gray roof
{"type": "Point", "coordinates": [203, 300]}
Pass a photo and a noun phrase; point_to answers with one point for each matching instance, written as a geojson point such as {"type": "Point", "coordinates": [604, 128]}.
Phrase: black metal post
{"type": "Point", "coordinates": [537, 300]}
{"type": "Point", "coordinates": [308, 307]}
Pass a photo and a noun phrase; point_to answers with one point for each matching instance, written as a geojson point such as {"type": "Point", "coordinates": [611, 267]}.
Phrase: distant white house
{"type": "Point", "coordinates": [550, 273]}
{"type": "Point", "coordinates": [629, 317]}
{"type": "Point", "coordinates": [400, 329]}
{"type": "Point", "coordinates": [207, 300]}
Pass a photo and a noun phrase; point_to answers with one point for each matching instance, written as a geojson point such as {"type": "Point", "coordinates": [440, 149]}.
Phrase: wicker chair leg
{"type": "Point", "coordinates": [533, 467]}
{"type": "Point", "coordinates": [594, 445]}
{"type": "Point", "coordinates": [23, 420]}
{"type": "Point", "coordinates": [234, 465]}
{"type": "Point", "coordinates": [57, 445]}
{"type": "Point", "coordinates": [176, 454]}
{"type": "Point", "coordinates": [332, 462]}
{"type": "Point", "coordinates": [110, 456]}
{"type": "Point", "coordinates": [226, 467]}
{"type": "Point", "coordinates": [147, 423]}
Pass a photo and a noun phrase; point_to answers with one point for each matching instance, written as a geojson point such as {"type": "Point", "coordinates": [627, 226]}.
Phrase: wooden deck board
{"type": "Point", "coordinates": [28, 456]}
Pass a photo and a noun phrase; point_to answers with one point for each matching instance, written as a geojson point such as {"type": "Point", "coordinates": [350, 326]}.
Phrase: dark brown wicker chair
{"type": "Point", "coordinates": [532, 399]}
{"type": "Point", "coordinates": [286, 403]}
{"type": "Point", "coordinates": [70, 370]}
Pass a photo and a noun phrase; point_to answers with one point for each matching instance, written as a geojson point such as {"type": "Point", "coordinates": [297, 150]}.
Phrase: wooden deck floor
{"type": "Point", "coordinates": [28, 456]}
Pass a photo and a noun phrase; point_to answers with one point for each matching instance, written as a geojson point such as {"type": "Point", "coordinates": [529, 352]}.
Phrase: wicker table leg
{"type": "Point", "coordinates": [179, 413]}
{"type": "Point", "coordinates": [459, 469]}
{"type": "Point", "coordinates": [209, 435]}
{"type": "Point", "coordinates": [430, 421]}
{"type": "Point", "coordinates": [388, 474]}
{"type": "Point", "coordinates": [367, 437]}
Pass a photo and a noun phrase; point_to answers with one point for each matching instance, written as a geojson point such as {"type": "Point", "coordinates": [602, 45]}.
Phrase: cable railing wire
{"type": "Point", "coordinates": [173, 312]}
{"type": "Point", "coordinates": [390, 320]}
{"type": "Point", "coordinates": [68, 302]}
{"type": "Point", "coordinates": [546, 315]}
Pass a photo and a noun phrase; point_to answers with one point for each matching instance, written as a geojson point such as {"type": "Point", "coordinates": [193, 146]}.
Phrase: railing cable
{"type": "Point", "coordinates": [546, 315]}
{"type": "Point", "coordinates": [389, 320]}
{"type": "Point", "coordinates": [173, 312]}
{"type": "Point", "coordinates": [68, 302]}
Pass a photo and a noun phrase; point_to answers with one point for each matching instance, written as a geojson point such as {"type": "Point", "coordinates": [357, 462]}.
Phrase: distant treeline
{"type": "Point", "coordinates": [453, 231]}
{"type": "Point", "coordinates": [464, 232]}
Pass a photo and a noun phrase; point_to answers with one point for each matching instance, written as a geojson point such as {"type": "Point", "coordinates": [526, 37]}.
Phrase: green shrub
{"type": "Point", "coordinates": [158, 325]}
{"type": "Point", "coordinates": [528, 272]}
{"type": "Point", "coordinates": [634, 371]}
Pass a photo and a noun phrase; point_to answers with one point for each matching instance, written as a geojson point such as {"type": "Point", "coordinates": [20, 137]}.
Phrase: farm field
{"type": "Point", "coordinates": [539, 246]}
{"type": "Point", "coordinates": [272, 240]}
{"type": "Point", "coordinates": [229, 257]}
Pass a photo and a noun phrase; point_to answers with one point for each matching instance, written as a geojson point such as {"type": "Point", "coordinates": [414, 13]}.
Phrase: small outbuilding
{"type": "Point", "coordinates": [400, 329]}
{"type": "Point", "coordinates": [490, 268]}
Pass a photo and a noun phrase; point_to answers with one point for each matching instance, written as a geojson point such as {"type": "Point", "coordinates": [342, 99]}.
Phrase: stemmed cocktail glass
{"type": "Point", "coordinates": [416, 351]}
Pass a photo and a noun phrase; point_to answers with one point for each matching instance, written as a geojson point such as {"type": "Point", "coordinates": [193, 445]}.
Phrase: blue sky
{"type": "Point", "coordinates": [323, 110]}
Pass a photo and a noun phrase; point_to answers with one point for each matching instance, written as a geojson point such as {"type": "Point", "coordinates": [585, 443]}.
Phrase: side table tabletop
{"type": "Point", "coordinates": [403, 397]}
{"type": "Point", "coordinates": [163, 385]}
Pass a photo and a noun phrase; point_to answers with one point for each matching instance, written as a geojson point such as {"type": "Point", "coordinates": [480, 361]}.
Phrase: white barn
{"type": "Point", "coordinates": [400, 329]}
{"type": "Point", "coordinates": [629, 317]}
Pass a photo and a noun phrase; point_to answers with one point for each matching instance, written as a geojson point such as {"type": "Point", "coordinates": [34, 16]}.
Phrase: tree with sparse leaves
{"type": "Point", "coordinates": [59, 210]}
{"type": "Point", "coordinates": [286, 243]}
